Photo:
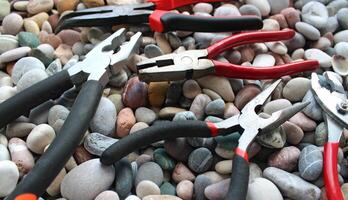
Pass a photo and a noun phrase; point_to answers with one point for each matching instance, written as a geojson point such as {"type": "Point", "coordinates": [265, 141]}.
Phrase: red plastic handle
{"type": "Point", "coordinates": [155, 20]}
{"type": "Point", "coordinates": [248, 38]}
{"type": "Point", "coordinates": [332, 185]}
{"type": "Point", "coordinates": [172, 4]}
{"type": "Point", "coordinates": [256, 73]}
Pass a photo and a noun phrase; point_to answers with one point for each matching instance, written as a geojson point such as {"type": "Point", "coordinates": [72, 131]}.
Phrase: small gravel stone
{"type": "Point", "coordinates": [285, 159]}
{"type": "Point", "coordinates": [309, 31]}
{"type": "Point", "coordinates": [104, 118]}
{"type": "Point", "coordinates": [135, 93]}
{"type": "Point", "coordinates": [183, 116]}
{"type": "Point", "coordinates": [312, 110]}
{"type": "Point", "coordinates": [305, 123]}
{"type": "Point", "coordinates": [310, 163]}
{"type": "Point", "coordinates": [149, 171]}
{"type": "Point", "coordinates": [9, 177]}
{"type": "Point", "coordinates": [296, 89]}
{"type": "Point", "coordinates": [152, 51]}
{"type": "Point", "coordinates": [96, 143]}
{"type": "Point", "coordinates": [262, 5]}
{"type": "Point", "coordinates": [184, 189]}
{"type": "Point", "coordinates": [19, 129]}
{"type": "Point", "coordinates": [200, 160]}
{"type": "Point", "coordinates": [145, 188]}
{"type": "Point", "coordinates": [198, 105]}
{"type": "Point", "coordinates": [41, 136]}
{"type": "Point", "coordinates": [168, 189]}
{"type": "Point", "coordinates": [191, 89]}
{"type": "Point", "coordinates": [181, 173]}
{"type": "Point", "coordinates": [226, 10]}
{"type": "Point", "coordinates": [200, 184]}
{"type": "Point", "coordinates": [146, 115]}
{"type": "Point", "coordinates": [216, 108]}
{"type": "Point", "coordinates": [316, 54]}
{"type": "Point", "coordinates": [321, 134]}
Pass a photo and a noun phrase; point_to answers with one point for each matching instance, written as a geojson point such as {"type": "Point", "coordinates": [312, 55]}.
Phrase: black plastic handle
{"type": "Point", "coordinates": [174, 22]}
{"type": "Point", "coordinates": [163, 131]}
{"type": "Point", "coordinates": [239, 179]}
{"type": "Point", "coordinates": [64, 145]}
{"type": "Point", "coordinates": [23, 102]}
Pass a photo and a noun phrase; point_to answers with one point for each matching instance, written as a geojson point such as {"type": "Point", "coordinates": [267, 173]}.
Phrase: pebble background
{"type": "Point", "coordinates": [286, 163]}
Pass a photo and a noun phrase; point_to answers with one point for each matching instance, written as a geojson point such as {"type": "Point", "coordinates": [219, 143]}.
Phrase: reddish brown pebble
{"type": "Point", "coordinates": [135, 93]}
{"type": "Point", "coordinates": [51, 39]}
{"type": "Point", "coordinates": [285, 159]}
{"type": "Point", "coordinates": [53, 20]}
{"type": "Point", "coordinates": [281, 20]}
{"type": "Point", "coordinates": [93, 3]}
{"type": "Point", "coordinates": [125, 121]}
{"type": "Point", "coordinates": [82, 155]}
{"type": "Point", "coordinates": [69, 37]}
{"type": "Point", "coordinates": [294, 133]}
{"type": "Point", "coordinates": [291, 15]}
{"type": "Point", "coordinates": [245, 95]}
{"type": "Point", "coordinates": [247, 54]}
{"type": "Point", "coordinates": [304, 122]}
{"type": "Point", "coordinates": [181, 173]}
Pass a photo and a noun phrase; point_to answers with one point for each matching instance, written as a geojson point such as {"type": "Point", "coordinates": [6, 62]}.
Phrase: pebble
{"type": "Point", "coordinates": [181, 173]}
{"type": "Point", "coordinates": [226, 10]}
{"type": "Point", "coordinates": [296, 89]}
{"type": "Point", "coordinates": [23, 66]}
{"type": "Point", "coordinates": [135, 93]}
{"type": "Point", "coordinates": [315, 13]}
{"type": "Point", "coordinates": [191, 89]}
{"type": "Point", "coordinates": [107, 195]}
{"type": "Point", "coordinates": [321, 134]}
{"type": "Point", "coordinates": [21, 155]}
{"type": "Point", "coordinates": [183, 116]}
{"type": "Point", "coordinates": [152, 51]}
{"type": "Point", "coordinates": [168, 189]}
{"type": "Point", "coordinates": [9, 177]}
{"type": "Point", "coordinates": [201, 182]}
{"type": "Point", "coordinates": [19, 129]}
{"type": "Point", "coordinates": [184, 189]}
{"type": "Point", "coordinates": [99, 179]}
{"type": "Point", "coordinates": [256, 190]}
{"type": "Point", "coordinates": [277, 47]}
{"type": "Point", "coordinates": [224, 167]}
{"type": "Point", "coordinates": [169, 112]}
{"type": "Point", "coordinates": [132, 197]}
{"type": "Point", "coordinates": [31, 26]}
{"type": "Point", "coordinates": [51, 39]}
{"type": "Point", "coordinates": [294, 133]}
{"type": "Point", "coordinates": [3, 140]}
{"type": "Point", "coordinates": [178, 148]}
{"type": "Point", "coordinates": [14, 54]}
{"type": "Point", "coordinates": [312, 110]}
{"type": "Point", "coordinates": [198, 105]}
{"type": "Point", "coordinates": [12, 24]}
{"type": "Point", "coordinates": [277, 6]}
{"type": "Point", "coordinates": [297, 42]}
{"type": "Point", "coordinates": [37, 6]}
{"type": "Point", "coordinates": [138, 126]}
{"type": "Point", "coordinates": [96, 143]}
{"type": "Point", "coordinates": [146, 115]}
{"type": "Point", "coordinates": [149, 171]}
{"type": "Point", "coordinates": [4, 153]}
{"type": "Point", "coordinates": [220, 85]}
{"type": "Point", "coordinates": [7, 43]}
{"type": "Point", "coordinates": [145, 188]}
{"type": "Point", "coordinates": [276, 105]}
{"type": "Point", "coordinates": [310, 163]}
{"type": "Point", "coordinates": [57, 112]}
{"type": "Point", "coordinates": [291, 185]}
{"type": "Point", "coordinates": [217, 191]}
{"type": "Point", "coordinates": [203, 7]}
{"type": "Point", "coordinates": [41, 136]}
{"type": "Point", "coordinates": [125, 121]}
{"type": "Point", "coordinates": [5, 8]}
{"type": "Point", "coordinates": [215, 108]}
{"type": "Point", "coordinates": [341, 49]}
{"type": "Point", "coordinates": [124, 177]}
{"type": "Point", "coordinates": [249, 9]}
{"type": "Point", "coordinates": [116, 99]}
{"type": "Point", "coordinates": [6, 92]}
{"type": "Point", "coordinates": [163, 159]}
{"type": "Point", "coordinates": [285, 159]}
{"type": "Point", "coordinates": [307, 30]}
{"type": "Point", "coordinates": [66, 5]}
{"type": "Point", "coordinates": [264, 60]}
{"type": "Point", "coordinates": [162, 42]}
{"type": "Point", "coordinates": [273, 139]}
{"type": "Point", "coordinates": [200, 160]}
{"type": "Point", "coordinates": [342, 15]}
{"type": "Point", "coordinates": [69, 37]}
{"type": "Point", "coordinates": [157, 93]}
{"type": "Point", "coordinates": [262, 5]}
{"type": "Point", "coordinates": [270, 25]}
{"type": "Point", "coordinates": [64, 53]}
{"type": "Point", "coordinates": [30, 78]}
{"type": "Point", "coordinates": [104, 119]}
{"type": "Point", "coordinates": [316, 54]}
{"type": "Point", "coordinates": [305, 123]}
{"type": "Point", "coordinates": [245, 95]}
{"type": "Point", "coordinates": [341, 36]}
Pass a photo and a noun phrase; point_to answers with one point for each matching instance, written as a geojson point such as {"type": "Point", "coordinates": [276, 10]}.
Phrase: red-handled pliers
{"type": "Point", "coordinates": [330, 95]}
{"type": "Point", "coordinates": [197, 63]}
{"type": "Point", "coordinates": [157, 13]}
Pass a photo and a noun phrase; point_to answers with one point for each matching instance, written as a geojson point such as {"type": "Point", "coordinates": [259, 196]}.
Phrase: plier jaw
{"type": "Point", "coordinates": [171, 67]}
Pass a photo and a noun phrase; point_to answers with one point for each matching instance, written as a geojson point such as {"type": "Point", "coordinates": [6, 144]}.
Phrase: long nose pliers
{"type": "Point", "coordinates": [157, 13]}
{"type": "Point", "coordinates": [197, 63]}
{"type": "Point", "coordinates": [91, 74]}
{"type": "Point", "coordinates": [330, 95]}
{"type": "Point", "coordinates": [247, 122]}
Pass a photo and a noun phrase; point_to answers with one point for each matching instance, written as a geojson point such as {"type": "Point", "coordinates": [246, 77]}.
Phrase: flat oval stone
{"type": "Point", "coordinates": [245, 95]}
{"type": "Point", "coordinates": [57, 112]}
{"type": "Point", "coordinates": [220, 85]}
{"type": "Point", "coordinates": [99, 179]}
{"type": "Point", "coordinates": [200, 184]}
{"type": "Point", "coordinates": [312, 110]}
{"type": "Point", "coordinates": [342, 15]}
{"type": "Point", "coordinates": [310, 163]}
{"type": "Point", "coordinates": [96, 143]}
{"type": "Point", "coordinates": [21, 155]}
{"type": "Point", "coordinates": [191, 89]}
{"type": "Point", "coordinates": [276, 105]}
{"type": "Point", "coordinates": [224, 167]}
{"type": "Point", "coordinates": [296, 88]}
{"type": "Point", "coordinates": [184, 189]}
{"type": "Point", "coordinates": [256, 190]}
{"type": "Point", "coordinates": [203, 7]}
{"type": "Point", "coordinates": [41, 136]}
{"type": "Point", "coordinates": [9, 177]}
{"type": "Point", "coordinates": [23, 66]}
{"type": "Point", "coordinates": [12, 24]}
{"type": "Point", "coordinates": [107, 195]}
{"type": "Point", "coordinates": [104, 119]}
{"type": "Point", "coordinates": [198, 105]}
{"type": "Point", "coordinates": [217, 191]}
{"type": "Point", "coordinates": [315, 13]}
{"type": "Point", "coordinates": [181, 173]}
{"type": "Point", "coordinates": [294, 133]}
{"type": "Point", "coordinates": [341, 36]}
{"type": "Point", "coordinates": [308, 30]}
{"type": "Point", "coordinates": [149, 171]}
{"type": "Point", "coordinates": [264, 60]}
{"type": "Point", "coordinates": [200, 160]}
{"type": "Point", "coordinates": [135, 93]}
{"type": "Point", "coordinates": [291, 185]}
{"type": "Point", "coordinates": [19, 129]}
{"type": "Point", "coordinates": [145, 188]}
{"type": "Point", "coordinates": [124, 177]}
{"type": "Point", "coordinates": [285, 159]}
{"type": "Point", "coordinates": [37, 6]}
{"type": "Point", "coordinates": [249, 9]}
{"type": "Point", "coordinates": [146, 115]}
{"type": "Point", "coordinates": [157, 92]}
{"type": "Point", "coordinates": [30, 78]}
{"type": "Point", "coordinates": [305, 123]}
{"type": "Point", "coordinates": [125, 122]}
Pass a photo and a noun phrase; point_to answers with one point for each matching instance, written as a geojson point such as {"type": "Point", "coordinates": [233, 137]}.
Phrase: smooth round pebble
{"type": "Point", "coordinates": [191, 89]}
{"type": "Point", "coordinates": [296, 89]}
{"type": "Point", "coordinates": [4, 153]}
{"type": "Point", "coordinates": [316, 54]}
{"type": "Point", "coordinates": [203, 7]}
{"type": "Point", "coordinates": [145, 115]}
{"type": "Point", "coordinates": [96, 143]}
{"type": "Point", "coordinates": [285, 159]}
{"type": "Point", "coordinates": [145, 188]}
{"type": "Point", "coordinates": [9, 176]}
{"type": "Point", "coordinates": [262, 5]}
{"type": "Point", "coordinates": [150, 171]}
{"type": "Point", "coordinates": [307, 30]}
{"type": "Point", "coordinates": [256, 190]}
{"type": "Point", "coordinates": [276, 105]}
{"type": "Point", "coordinates": [30, 78]}
{"type": "Point", "coordinates": [215, 108]}
{"type": "Point", "coordinates": [315, 13]}
{"type": "Point", "coordinates": [107, 195]}
{"type": "Point", "coordinates": [23, 66]}
{"type": "Point", "coordinates": [310, 163]}
{"type": "Point", "coordinates": [200, 160]}
{"type": "Point", "coordinates": [342, 16]}
{"type": "Point", "coordinates": [264, 60]}
{"type": "Point", "coordinates": [104, 118]}
{"type": "Point", "coordinates": [12, 24]}
{"type": "Point", "coordinates": [184, 189]}
{"type": "Point", "coordinates": [41, 136]}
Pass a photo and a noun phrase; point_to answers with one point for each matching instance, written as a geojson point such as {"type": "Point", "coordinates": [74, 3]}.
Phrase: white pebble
{"type": "Point", "coordinates": [6, 92]}
{"type": "Point", "coordinates": [41, 136]}
{"type": "Point", "coordinates": [316, 54]}
{"type": "Point", "coordinates": [4, 153]}
{"type": "Point", "coordinates": [9, 176]}
{"type": "Point", "coordinates": [31, 78]}
{"type": "Point", "coordinates": [264, 60]}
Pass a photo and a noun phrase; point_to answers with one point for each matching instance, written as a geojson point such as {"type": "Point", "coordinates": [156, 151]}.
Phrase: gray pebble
{"type": "Point", "coordinates": [77, 48]}
{"type": "Point", "coordinates": [123, 177]}
{"type": "Point", "coordinates": [57, 112]}
{"type": "Point", "coordinates": [341, 36]}
{"type": "Point", "coordinates": [200, 160]}
{"type": "Point", "coordinates": [216, 108]}
{"type": "Point", "coordinates": [119, 79]}
{"type": "Point", "coordinates": [203, 40]}
{"type": "Point", "coordinates": [47, 50]}
{"type": "Point", "coordinates": [199, 186]}
{"type": "Point", "coordinates": [309, 31]}
{"type": "Point", "coordinates": [30, 78]}
{"type": "Point", "coordinates": [19, 129]}
{"type": "Point", "coordinates": [4, 153]}
{"type": "Point", "coordinates": [146, 115]}
{"type": "Point", "coordinates": [189, 43]}
{"type": "Point", "coordinates": [24, 65]}
{"type": "Point", "coordinates": [315, 13]}
{"type": "Point", "coordinates": [174, 40]}
{"type": "Point", "coordinates": [335, 6]}
{"type": "Point", "coordinates": [342, 17]}
{"type": "Point", "coordinates": [54, 67]}
{"type": "Point", "coordinates": [341, 49]}
{"type": "Point", "coordinates": [312, 110]}
{"type": "Point", "coordinates": [178, 148]}
{"type": "Point", "coordinates": [183, 116]}
{"type": "Point", "coordinates": [149, 171]}
{"type": "Point", "coordinates": [96, 143]}
{"type": "Point", "coordinates": [104, 118]}
{"type": "Point", "coordinates": [226, 11]}
{"type": "Point", "coordinates": [297, 42]}
{"type": "Point", "coordinates": [310, 163]}
{"type": "Point", "coordinates": [152, 51]}
{"type": "Point", "coordinates": [331, 26]}
{"type": "Point", "coordinates": [249, 9]}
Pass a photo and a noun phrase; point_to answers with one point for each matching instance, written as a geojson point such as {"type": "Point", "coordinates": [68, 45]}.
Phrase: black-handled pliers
{"type": "Point", "coordinates": [159, 17]}
{"type": "Point", "coordinates": [91, 74]}
{"type": "Point", "coordinates": [247, 122]}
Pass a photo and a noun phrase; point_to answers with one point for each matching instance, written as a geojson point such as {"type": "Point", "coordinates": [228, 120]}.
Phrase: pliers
{"type": "Point", "coordinates": [247, 122]}
{"type": "Point", "coordinates": [91, 74]}
{"type": "Point", "coordinates": [197, 63]}
{"type": "Point", "coordinates": [330, 95]}
{"type": "Point", "coordinates": [157, 13]}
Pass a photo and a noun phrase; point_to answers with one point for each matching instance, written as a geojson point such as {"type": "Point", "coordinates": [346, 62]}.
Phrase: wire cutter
{"type": "Point", "coordinates": [91, 74]}
{"type": "Point", "coordinates": [157, 13]}
{"type": "Point", "coordinates": [247, 122]}
{"type": "Point", "coordinates": [197, 63]}
{"type": "Point", "coordinates": [330, 95]}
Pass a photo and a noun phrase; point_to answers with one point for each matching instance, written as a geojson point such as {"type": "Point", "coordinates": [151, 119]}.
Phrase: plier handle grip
{"type": "Point", "coordinates": [197, 63]}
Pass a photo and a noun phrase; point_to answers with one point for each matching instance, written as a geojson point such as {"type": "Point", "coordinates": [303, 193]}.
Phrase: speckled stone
{"type": "Point", "coordinates": [96, 143]}
{"type": "Point", "coordinates": [310, 163]}
{"type": "Point", "coordinates": [200, 160]}
{"type": "Point", "coordinates": [285, 159]}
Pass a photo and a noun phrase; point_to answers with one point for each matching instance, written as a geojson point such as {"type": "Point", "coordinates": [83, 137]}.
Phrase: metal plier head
{"type": "Point", "coordinates": [108, 56]}
{"type": "Point", "coordinates": [331, 97]}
